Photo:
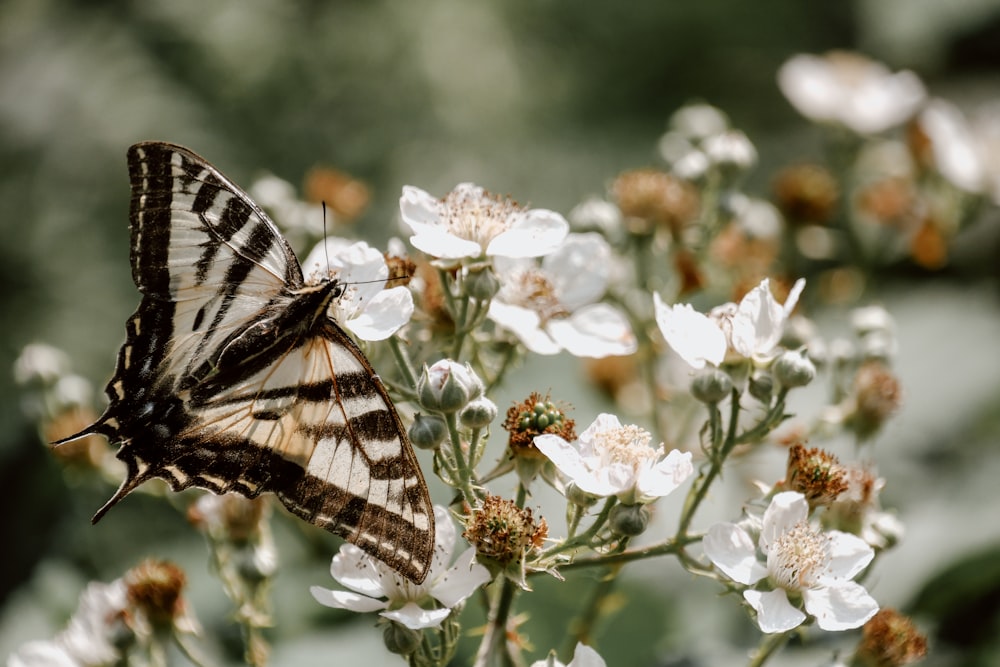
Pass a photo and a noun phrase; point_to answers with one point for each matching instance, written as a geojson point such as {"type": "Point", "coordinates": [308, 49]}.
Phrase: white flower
{"type": "Point", "coordinates": [471, 223]}
{"type": "Point", "coordinates": [751, 329]}
{"type": "Point", "coordinates": [609, 459]}
{"type": "Point", "coordinates": [553, 307]}
{"type": "Point", "coordinates": [851, 90]}
{"type": "Point", "coordinates": [797, 560]}
{"type": "Point", "coordinates": [87, 639]}
{"type": "Point", "coordinates": [368, 310]}
{"type": "Point", "coordinates": [583, 656]}
{"type": "Point", "coordinates": [415, 606]}
{"type": "Point", "coordinates": [964, 150]}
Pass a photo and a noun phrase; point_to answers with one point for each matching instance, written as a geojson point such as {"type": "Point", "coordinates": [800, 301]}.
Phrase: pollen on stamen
{"type": "Point", "coordinates": [478, 216]}
{"type": "Point", "coordinates": [798, 558]}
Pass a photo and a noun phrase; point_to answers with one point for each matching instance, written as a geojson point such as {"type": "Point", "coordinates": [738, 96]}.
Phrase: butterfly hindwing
{"type": "Point", "coordinates": [233, 378]}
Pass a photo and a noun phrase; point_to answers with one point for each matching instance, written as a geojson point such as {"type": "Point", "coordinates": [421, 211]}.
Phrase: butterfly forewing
{"type": "Point", "coordinates": [233, 378]}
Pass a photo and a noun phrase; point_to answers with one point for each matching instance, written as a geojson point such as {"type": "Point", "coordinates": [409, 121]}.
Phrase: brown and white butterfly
{"type": "Point", "coordinates": [234, 378]}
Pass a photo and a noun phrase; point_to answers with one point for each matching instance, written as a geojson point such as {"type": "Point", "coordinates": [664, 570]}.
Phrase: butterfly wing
{"type": "Point", "coordinates": [232, 378]}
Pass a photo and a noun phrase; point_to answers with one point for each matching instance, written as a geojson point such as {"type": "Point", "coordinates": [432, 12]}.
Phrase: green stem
{"type": "Point", "coordinates": [403, 363]}
{"type": "Point", "coordinates": [662, 549]}
{"type": "Point", "coordinates": [493, 649]}
{"type": "Point", "coordinates": [585, 537]}
{"type": "Point", "coordinates": [700, 488]}
{"type": "Point", "coordinates": [769, 645]}
{"type": "Point", "coordinates": [462, 466]}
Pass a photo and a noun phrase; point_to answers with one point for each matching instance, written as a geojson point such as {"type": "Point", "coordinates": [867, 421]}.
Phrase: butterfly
{"type": "Point", "coordinates": [234, 378]}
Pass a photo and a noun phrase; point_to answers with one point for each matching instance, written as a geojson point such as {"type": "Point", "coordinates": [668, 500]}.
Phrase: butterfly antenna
{"type": "Point", "coordinates": [326, 247]}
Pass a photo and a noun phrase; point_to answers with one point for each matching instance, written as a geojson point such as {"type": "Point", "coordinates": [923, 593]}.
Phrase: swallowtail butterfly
{"type": "Point", "coordinates": [233, 377]}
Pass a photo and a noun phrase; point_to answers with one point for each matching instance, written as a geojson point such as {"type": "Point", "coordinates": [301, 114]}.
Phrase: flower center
{"type": "Point", "coordinates": [477, 215]}
{"type": "Point", "coordinates": [798, 558]}
{"type": "Point", "coordinates": [533, 290]}
{"type": "Point", "coordinates": [627, 444]}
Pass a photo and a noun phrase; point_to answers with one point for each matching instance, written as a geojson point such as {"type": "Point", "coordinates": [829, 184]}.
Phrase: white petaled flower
{"type": "Point", "coordinates": [375, 587]}
{"type": "Point", "coordinates": [469, 222]}
{"type": "Point", "coordinates": [553, 306]}
{"type": "Point", "coordinates": [851, 90]}
{"type": "Point", "coordinates": [751, 329]}
{"type": "Point", "coordinates": [609, 459]}
{"type": "Point", "coordinates": [964, 149]}
{"type": "Point", "coordinates": [88, 638]}
{"type": "Point", "coordinates": [368, 310]}
{"type": "Point", "coordinates": [792, 560]}
{"type": "Point", "coordinates": [583, 656]}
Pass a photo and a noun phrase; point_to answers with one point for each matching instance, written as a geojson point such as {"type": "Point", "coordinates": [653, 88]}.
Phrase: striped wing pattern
{"type": "Point", "coordinates": [233, 378]}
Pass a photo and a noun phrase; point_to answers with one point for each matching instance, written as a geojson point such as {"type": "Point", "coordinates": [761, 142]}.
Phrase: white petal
{"type": "Point", "coordinates": [841, 607]}
{"type": "Point", "coordinates": [436, 241]}
{"type": "Point", "coordinates": [692, 335]}
{"type": "Point", "coordinates": [584, 656]}
{"type": "Point", "coordinates": [595, 331]}
{"type": "Point", "coordinates": [346, 600]}
{"type": "Point", "coordinates": [525, 324]}
{"type": "Point", "coordinates": [444, 532]}
{"type": "Point", "coordinates": [591, 435]}
{"type": "Point", "coordinates": [415, 617]}
{"type": "Point", "coordinates": [461, 581]}
{"type": "Point", "coordinates": [758, 323]}
{"type": "Point", "coordinates": [774, 612]}
{"type": "Point", "coordinates": [786, 510]}
{"type": "Point", "coordinates": [664, 477]}
{"type": "Point", "coordinates": [417, 206]}
{"type": "Point", "coordinates": [570, 463]}
{"type": "Point", "coordinates": [731, 550]}
{"type": "Point", "coordinates": [386, 313]}
{"type": "Point", "coordinates": [42, 653]}
{"type": "Point", "coordinates": [793, 297]}
{"type": "Point", "coordinates": [579, 269]}
{"type": "Point", "coordinates": [849, 554]}
{"type": "Point", "coordinates": [353, 568]}
{"type": "Point", "coordinates": [534, 233]}
{"type": "Point", "coordinates": [321, 257]}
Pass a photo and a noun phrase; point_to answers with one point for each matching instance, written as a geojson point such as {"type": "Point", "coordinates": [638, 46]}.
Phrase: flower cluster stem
{"type": "Point", "coordinates": [769, 645]}
{"type": "Point", "coordinates": [493, 651]}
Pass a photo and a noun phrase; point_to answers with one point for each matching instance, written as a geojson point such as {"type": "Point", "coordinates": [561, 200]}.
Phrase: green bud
{"type": "Point", "coordinates": [628, 520]}
{"type": "Point", "coordinates": [427, 431]}
{"type": "Point", "coordinates": [794, 369]}
{"type": "Point", "coordinates": [578, 496]}
{"type": "Point", "coordinates": [711, 386]}
{"type": "Point", "coordinates": [448, 386]}
{"type": "Point", "coordinates": [481, 284]}
{"type": "Point", "coordinates": [400, 639]}
{"type": "Point", "coordinates": [761, 387]}
{"type": "Point", "coordinates": [479, 413]}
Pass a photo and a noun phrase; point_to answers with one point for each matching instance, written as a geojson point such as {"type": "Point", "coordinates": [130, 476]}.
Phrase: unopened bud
{"type": "Point", "coordinates": [481, 284]}
{"type": "Point", "coordinates": [400, 639]}
{"type": "Point", "coordinates": [427, 431]}
{"type": "Point", "coordinates": [479, 413]}
{"type": "Point", "coordinates": [711, 386]}
{"type": "Point", "coordinates": [629, 520]}
{"type": "Point", "coordinates": [448, 386]}
{"type": "Point", "coordinates": [794, 369]}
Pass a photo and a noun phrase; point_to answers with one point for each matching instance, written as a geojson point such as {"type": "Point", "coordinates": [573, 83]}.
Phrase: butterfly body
{"type": "Point", "coordinates": [233, 377]}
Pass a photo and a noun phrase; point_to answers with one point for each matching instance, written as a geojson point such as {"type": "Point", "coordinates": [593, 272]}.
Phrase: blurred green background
{"type": "Point", "coordinates": [545, 99]}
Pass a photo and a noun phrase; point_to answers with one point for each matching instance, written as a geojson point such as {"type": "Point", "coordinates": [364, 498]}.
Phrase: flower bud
{"type": "Point", "coordinates": [427, 431]}
{"type": "Point", "coordinates": [761, 387]}
{"type": "Point", "coordinates": [794, 369]}
{"type": "Point", "coordinates": [400, 639]}
{"type": "Point", "coordinates": [578, 496]}
{"type": "Point", "coordinates": [479, 413]}
{"type": "Point", "coordinates": [711, 386]}
{"type": "Point", "coordinates": [481, 284]}
{"type": "Point", "coordinates": [256, 563]}
{"type": "Point", "coordinates": [448, 386]}
{"type": "Point", "coordinates": [628, 520]}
